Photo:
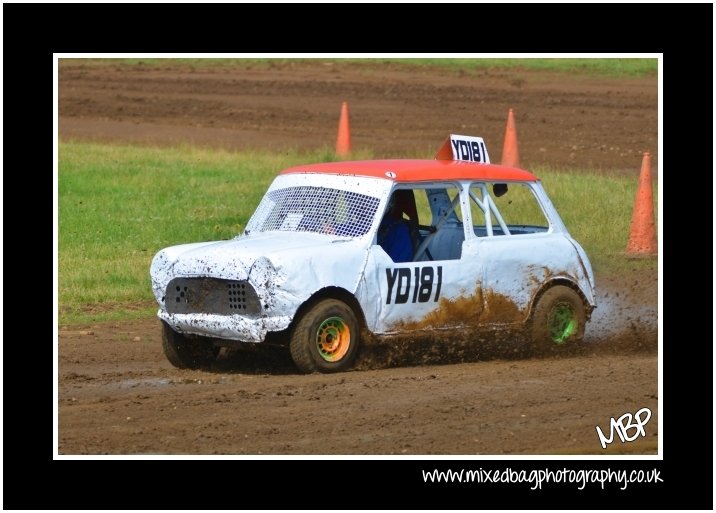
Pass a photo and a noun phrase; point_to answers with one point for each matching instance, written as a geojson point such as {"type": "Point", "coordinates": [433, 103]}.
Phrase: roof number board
{"type": "Point", "coordinates": [472, 149]}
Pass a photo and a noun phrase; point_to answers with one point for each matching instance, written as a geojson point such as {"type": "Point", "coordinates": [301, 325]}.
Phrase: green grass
{"type": "Point", "coordinates": [597, 210]}
{"type": "Point", "coordinates": [118, 205]}
{"type": "Point", "coordinates": [611, 67]}
{"type": "Point", "coordinates": [573, 66]}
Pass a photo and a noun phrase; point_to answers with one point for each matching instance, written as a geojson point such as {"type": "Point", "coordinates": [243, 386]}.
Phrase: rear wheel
{"type": "Point", "coordinates": [326, 338]}
{"type": "Point", "coordinates": [187, 351]}
{"type": "Point", "coordinates": [558, 319]}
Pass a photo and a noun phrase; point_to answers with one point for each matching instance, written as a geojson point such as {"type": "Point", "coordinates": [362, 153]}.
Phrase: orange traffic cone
{"type": "Point", "coordinates": [343, 143]}
{"type": "Point", "coordinates": [642, 238]}
{"type": "Point", "coordinates": [510, 153]}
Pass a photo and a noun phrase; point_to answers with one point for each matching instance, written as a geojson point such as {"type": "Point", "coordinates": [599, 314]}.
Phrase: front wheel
{"type": "Point", "coordinates": [187, 351]}
{"type": "Point", "coordinates": [326, 338]}
{"type": "Point", "coordinates": [558, 319]}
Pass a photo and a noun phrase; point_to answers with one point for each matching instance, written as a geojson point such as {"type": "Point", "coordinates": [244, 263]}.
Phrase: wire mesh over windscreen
{"type": "Point", "coordinates": [314, 209]}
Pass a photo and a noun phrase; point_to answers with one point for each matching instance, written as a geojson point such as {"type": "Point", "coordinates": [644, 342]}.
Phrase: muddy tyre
{"type": "Point", "coordinates": [325, 338]}
{"type": "Point", "coordinates": [558, 320]}
{"type": "Point", "coordinates": [187, 351]}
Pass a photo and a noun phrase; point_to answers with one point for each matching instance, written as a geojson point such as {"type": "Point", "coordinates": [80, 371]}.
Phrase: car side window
{"type": "Point", "coordinates": [505, 209]}
{"type": "Point", "coordinates": [422, 224]}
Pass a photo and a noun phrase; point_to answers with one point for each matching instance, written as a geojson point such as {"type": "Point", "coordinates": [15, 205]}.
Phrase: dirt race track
{"type": "Point", "coordinates": [119, 395]}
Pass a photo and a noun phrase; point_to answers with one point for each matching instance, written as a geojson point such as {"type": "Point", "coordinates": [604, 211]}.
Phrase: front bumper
{"type": "Point", "coordinates": [229, 327]}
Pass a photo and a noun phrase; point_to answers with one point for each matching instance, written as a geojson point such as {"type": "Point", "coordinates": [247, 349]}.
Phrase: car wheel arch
{"type": "Point", "coordinates": [338, 293]}
{"type": "Point", "coordinates": [558, 281]}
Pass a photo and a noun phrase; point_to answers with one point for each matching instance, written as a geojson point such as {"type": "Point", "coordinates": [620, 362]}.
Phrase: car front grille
{"type": "Point", "coordinates": [211, 296]}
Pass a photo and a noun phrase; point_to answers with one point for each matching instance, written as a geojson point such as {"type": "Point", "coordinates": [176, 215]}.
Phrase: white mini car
{"type": "Point", "coordinates": [336, 252]}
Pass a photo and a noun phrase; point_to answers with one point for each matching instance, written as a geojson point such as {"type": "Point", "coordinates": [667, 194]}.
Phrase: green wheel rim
{"type": "Point", "coordinates": [333, 338]}
{"type": "Point", "coordinates": [562, 323]}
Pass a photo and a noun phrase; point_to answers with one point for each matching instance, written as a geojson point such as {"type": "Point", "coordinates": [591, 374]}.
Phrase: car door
{"type": "Point", "coordinates": [441, 285]}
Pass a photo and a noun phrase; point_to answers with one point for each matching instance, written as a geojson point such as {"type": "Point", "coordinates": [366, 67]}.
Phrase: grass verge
{"type": "Point", "coordinates": [608, 67]}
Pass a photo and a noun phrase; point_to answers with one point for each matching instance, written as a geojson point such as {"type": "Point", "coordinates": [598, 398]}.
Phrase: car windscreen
{"type": "Point", "coordinates": [314, 209]}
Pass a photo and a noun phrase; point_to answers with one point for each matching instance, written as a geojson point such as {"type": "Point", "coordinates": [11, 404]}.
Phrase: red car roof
{"type": "Point", "coordinates": [415, 170]}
